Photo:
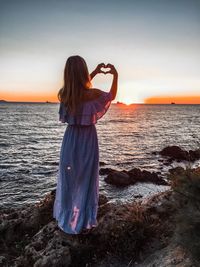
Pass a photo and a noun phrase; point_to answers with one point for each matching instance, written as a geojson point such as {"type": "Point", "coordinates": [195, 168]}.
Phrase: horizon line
{"type": "Point", "coordinates": [117, 103]}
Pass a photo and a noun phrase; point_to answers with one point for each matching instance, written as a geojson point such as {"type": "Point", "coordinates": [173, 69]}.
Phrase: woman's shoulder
{"type": "Point", "coordinates": [92, 94]}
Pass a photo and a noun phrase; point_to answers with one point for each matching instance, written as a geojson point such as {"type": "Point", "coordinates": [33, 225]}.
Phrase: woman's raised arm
{"type": "Point", "coordinates": [97, 70]}
{"type": "Point", "coordinates": [112, 71]}
{"type": "Point", "coordinates": [114, 85]}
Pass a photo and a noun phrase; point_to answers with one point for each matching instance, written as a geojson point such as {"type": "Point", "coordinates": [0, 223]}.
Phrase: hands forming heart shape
{"type": "Point", "coordinates": [105, 68]}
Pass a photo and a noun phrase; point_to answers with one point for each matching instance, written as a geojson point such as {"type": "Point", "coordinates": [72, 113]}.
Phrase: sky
{"type": "Point", "coordinates": [154, 45]}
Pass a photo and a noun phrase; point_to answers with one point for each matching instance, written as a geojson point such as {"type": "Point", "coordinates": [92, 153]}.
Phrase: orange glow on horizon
{"type": "Point", "coordinates": [173, 99]}
{"type": "Point", "coordinates": [51, 97]}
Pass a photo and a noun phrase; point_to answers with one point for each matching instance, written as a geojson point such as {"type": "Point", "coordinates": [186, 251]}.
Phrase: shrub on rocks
{"type": "Point", "coordinates": [186, 185]}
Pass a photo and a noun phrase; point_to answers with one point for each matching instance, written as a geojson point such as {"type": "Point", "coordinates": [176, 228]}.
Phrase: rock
{"type": "Point", "coordinates": [18, 226]}
{"type": "Point", "coordinates": [178, 154]}
{"type": "Point", "coordinates": [124, 178]}
{"type": "Point", "coordinates": [176, 170]}
{"type": "Point", "coordinates": [135, 174]}
{"type": "Point", "coordinates": [47, 248]}
{"type": "Point", "coordinates": [145, 176]}
{"type": "Point", "coordinates": [174, 152]}
{"type": "Point", "coordinates": [153, 178]}
{"type": "Point", "coordinates": [104, 171]}
{"type": "Point", "coordinates": [102, 163]}
{"type": "Point", "coordinates": [194, 155]}
{"type": "Point", "coordinates": [118, 178]}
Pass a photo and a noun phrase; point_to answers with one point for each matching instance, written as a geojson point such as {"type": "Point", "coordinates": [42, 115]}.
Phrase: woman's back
{"type": "Point", "coordinates": [91, 94]}
{"type": "Point", "coordinates": [94, 105]}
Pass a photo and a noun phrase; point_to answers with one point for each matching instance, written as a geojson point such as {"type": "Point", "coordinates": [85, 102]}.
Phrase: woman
{"type": "Point", "coordinates": [77, 192]}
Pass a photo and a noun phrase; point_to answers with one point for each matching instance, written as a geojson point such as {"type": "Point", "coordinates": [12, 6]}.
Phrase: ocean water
{"type": "Point", "coordinates": [31, 136]}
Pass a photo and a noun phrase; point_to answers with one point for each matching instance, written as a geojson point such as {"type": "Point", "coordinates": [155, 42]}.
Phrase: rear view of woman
{"type": "Point", "coordinates": [77, 192]}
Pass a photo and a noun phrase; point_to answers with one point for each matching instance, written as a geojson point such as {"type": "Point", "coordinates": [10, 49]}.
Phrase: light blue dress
{"type": "Point", "coordinates": [77, 193]}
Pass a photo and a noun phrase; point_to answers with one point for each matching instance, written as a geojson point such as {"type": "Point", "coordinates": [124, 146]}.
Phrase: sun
{"type": "Point", "coordinates": [127, 101]}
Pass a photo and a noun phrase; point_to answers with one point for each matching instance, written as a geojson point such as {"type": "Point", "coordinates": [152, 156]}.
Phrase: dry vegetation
{"type": "Point", "coordinates": [186, 185]}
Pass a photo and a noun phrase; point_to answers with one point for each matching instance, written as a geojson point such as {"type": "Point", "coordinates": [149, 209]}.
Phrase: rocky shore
{"type": "Point", "coordinates": [160, 231]}
{"type": "Point", "coordinates": [135, 234]}
{"type": "Point", "coordinates": [30, 237]}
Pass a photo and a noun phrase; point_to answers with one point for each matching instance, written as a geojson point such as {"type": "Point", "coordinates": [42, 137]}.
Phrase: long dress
{"type": "Point", "coordinates": [77, 192]}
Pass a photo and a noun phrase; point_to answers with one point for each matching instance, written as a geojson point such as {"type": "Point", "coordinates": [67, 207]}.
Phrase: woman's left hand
{"type": "Point", "coordinates": [98, 70]}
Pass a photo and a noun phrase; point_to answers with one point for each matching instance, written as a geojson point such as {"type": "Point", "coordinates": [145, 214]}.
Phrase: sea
{"type": "Point", "coordinates": [31, 136]}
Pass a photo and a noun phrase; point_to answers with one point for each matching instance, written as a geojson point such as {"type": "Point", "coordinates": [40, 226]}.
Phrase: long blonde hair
{"type": "Point", "coordinates": [76, 79]}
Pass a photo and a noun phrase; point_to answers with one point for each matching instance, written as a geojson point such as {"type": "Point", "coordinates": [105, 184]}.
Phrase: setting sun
{"type": "Point", "coordinates": [128, 98]}
{"type": "Point", "coordinates": [127, 101]}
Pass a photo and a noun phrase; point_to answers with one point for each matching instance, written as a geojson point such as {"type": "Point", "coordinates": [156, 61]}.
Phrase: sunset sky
{"type": "Point", "coordinates": [154, 45]}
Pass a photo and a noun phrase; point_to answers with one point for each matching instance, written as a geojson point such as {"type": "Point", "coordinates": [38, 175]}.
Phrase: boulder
{"type": "Point", "coordinates": [179, 154]}
{"type": "Point", "coordinates": [144, 176]}
{"type": "Point", "coordinates": [194, 154]}
{"type": "Point", "coordinates": [102, 163]}
{"type": "Point", "coordinates": [153, 178]}
{"type": "Point", "coordinates": [124, 178]}
{"type": "Point", "coordinates": [135, 174]}
{"type": "Point", "coordinates": [175, 152]}
{"type": "Point", "coordinates": [118, 178]}
{"type": "Point", "coordinates": [104, 171]}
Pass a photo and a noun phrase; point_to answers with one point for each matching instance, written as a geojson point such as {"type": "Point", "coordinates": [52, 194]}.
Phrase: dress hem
{"type": "Point", "coordinates": [75, 232]}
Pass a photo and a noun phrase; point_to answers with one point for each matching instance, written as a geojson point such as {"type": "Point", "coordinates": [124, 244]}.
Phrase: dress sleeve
{"type": "Point", "coordinates": [95, 109]}
{"type": "Point", "coordinates": [62, 113]}
{"type": "Point", "coordinates": [90, 112]}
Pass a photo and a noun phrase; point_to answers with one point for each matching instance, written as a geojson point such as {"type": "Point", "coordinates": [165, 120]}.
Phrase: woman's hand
{"type": "Point", "coordinates": [97, 70]}
{"type": "Point", "coordinates": [99, 67]}
{"type": "Point", "coordinates": [112, 69]}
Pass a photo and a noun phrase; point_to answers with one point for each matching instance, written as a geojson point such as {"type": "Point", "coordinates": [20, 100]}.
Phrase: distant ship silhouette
{"type": "Point", "coordinates": [172, 103]}
{"type": "Point", "coordinates": [120, 103]}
